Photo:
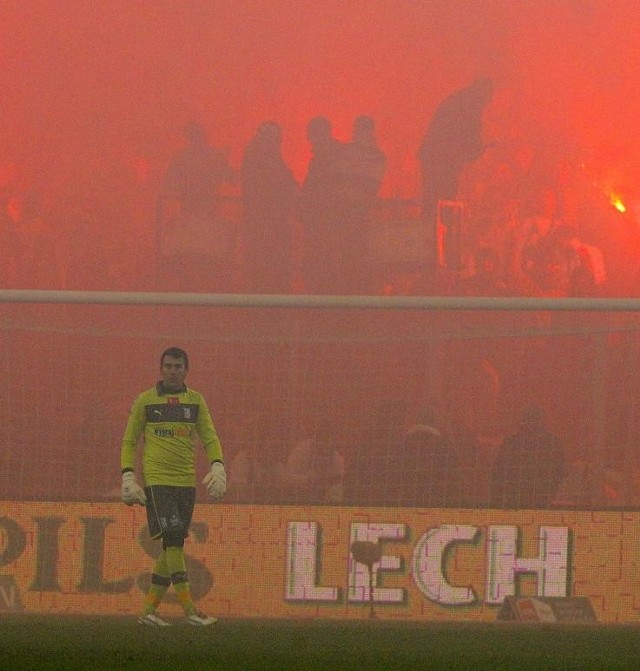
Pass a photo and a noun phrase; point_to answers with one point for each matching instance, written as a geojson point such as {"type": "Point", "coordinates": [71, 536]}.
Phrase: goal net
{"type": "Point", "coordinates": [333, 401]}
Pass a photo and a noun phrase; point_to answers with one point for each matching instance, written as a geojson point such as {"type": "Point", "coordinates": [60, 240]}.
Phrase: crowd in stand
{"type": "Point", "coordinates": [253, 228]}
{"type": "Point", "coordinates": [427, 464]}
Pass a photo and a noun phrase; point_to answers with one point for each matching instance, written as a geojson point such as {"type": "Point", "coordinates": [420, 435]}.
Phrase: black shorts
{"type": "Point", "coordinates": [169, 509]}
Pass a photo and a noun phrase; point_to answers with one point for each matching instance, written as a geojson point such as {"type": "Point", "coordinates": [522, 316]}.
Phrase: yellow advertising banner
{"type": "Point", "coordinates": [324, 562]}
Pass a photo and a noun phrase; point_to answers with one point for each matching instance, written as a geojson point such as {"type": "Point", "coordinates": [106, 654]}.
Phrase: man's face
{"type": "Point", "coordinates": [173, 373]}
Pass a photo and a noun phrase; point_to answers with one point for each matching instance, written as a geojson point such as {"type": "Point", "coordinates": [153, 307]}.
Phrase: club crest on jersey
{"type": "Point", "coordinates": [187, 413]}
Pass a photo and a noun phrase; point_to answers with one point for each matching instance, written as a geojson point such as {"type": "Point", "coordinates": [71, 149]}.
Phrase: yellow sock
{"type": "Point", "coordinates": [183, 592]}
{"type": "Point", "coordinates": [153, 598]}
{"type": "Point", "coordinates": [178, 570]}
{"type": "Point", "coordinates": [160, 582]}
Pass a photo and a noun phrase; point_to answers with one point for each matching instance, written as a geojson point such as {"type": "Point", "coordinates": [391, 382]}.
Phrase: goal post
{"type": "Point", "coordinates": [328, 399]}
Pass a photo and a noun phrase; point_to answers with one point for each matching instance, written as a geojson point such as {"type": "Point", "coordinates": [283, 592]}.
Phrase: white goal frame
{"type": "Point", "coordinates": [475, 303]}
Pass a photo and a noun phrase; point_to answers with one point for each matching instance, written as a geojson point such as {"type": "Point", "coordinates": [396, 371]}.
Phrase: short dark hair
{"type": "Point", "coordinates": [176, 353]}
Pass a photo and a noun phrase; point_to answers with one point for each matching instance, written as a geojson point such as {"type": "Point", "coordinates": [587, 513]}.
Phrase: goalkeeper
{"type": "Point", "coordinates": [168, 416]}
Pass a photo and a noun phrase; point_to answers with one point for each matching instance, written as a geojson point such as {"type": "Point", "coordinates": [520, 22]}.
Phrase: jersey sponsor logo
{"type": "Point", "coordinates": [171, 432]}
{"type": "Point", "coordinates": [173, 400]}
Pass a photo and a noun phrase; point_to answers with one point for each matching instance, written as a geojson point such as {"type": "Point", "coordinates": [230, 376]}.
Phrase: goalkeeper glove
{"type": "Point", "coordinates": [216, 480]}
{"type": "Point", "coordinates": [131, 492]}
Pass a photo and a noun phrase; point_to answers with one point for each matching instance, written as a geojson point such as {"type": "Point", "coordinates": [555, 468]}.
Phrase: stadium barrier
{"type": "Point", "coordinates": [296, 562]}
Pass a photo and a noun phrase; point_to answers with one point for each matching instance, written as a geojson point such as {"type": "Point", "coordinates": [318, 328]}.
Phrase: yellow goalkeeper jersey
{"type": "Point", "coordinates": [169, 423]}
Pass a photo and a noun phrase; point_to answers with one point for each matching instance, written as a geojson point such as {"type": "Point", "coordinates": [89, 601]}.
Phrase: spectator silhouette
{"type": "Point", "coordinates": [259, 444]}
{"type": "Point", "coordinates": [319, 211]}
{"type": "Point", "coordinates": [537, 264]}
{"type": "Point", "coordinates": [370, 472]}
{"type": "Point", "coordinates": [427, 469]}
{"type": "Point", "coordinates": [529, 465]}
{"type": "Point", "coordinates": [361, 166]}
{"type": "Point", "coordinates": [486, 278]}
{"type": "Point", "coordinates": [196, 173]}
{"type": "Point", "coordinates": [268, 191]}
{"type": "Point", "coordinates": [549, 258]}
{"type": "Point", "coordinates": [191, 227]}
{"type": "Point", "coordinates": [583, 263]}
{"type": "Point", "coordinates": [313, 468]}
{"type": "Point", "coordinates": [39, 259]}
{"type": "Point", "coordinates": [453, 140]}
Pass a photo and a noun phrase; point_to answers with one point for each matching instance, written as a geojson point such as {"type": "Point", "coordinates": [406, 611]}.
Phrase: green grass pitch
{"type": "Point", "coordinates": [69, 643]}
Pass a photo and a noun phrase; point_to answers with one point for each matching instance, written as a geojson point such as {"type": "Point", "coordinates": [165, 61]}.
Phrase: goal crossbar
{"type": "Point", "coordinates": [465, 303]}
